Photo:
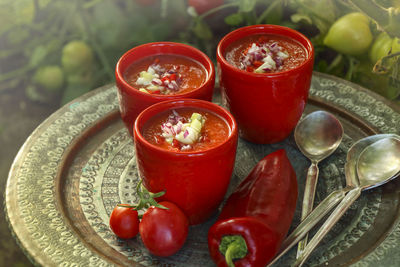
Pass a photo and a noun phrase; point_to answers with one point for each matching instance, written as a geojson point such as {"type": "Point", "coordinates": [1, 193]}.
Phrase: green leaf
{"type": "Point", "coordinates": [393, 90]}
{"type": "Point", "coordinates": [297, 18]}
{"type": "Point", "coordinates": [321, 13]}
{"type": "Point", "coordinates": [234, 19]}
{"type": "Point", "coordinates": [275, 14]}
{"type": "Point", "coordinates": [202, 30]}
{"type": "Point", "coordinates": [388, 63]}
{"type": "Point", "coordinates": [247, 5]}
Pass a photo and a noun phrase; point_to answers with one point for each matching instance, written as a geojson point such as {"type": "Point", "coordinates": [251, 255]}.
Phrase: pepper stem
{"type": "Point", "coordinates": [233, 247]}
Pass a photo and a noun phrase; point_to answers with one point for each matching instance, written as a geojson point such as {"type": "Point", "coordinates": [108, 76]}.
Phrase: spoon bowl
{"type": "Point", "coordinates": [318, 135]}
{"type": "Point", "coordinates": [379, 162]}
{"type": "Point", "coordinates": [354, 153]}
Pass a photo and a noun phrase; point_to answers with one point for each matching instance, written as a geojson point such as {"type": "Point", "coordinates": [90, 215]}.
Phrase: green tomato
{"type": "Point", "coordinates": [50, 77]}
{"type": "Point", "coordinates": [350, 34]}
{"type": "Point", "coordinates": [382, 46]}
{"type": "Point", "coordinates": [76, 57]}
{"type": "Point", "coordinates": [395, 45]}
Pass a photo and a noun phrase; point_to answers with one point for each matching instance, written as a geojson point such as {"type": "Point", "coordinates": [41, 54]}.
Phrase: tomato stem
{"type": "Point", "coordinates": [146, 198]}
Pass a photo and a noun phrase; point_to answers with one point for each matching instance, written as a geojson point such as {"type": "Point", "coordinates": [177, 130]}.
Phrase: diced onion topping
{"type": "Point", "coordinates": [263, 57]}
{"type": "Point", "coordinates": [158, 80]}
{"type": "Point", "coordinates": [186, 133]}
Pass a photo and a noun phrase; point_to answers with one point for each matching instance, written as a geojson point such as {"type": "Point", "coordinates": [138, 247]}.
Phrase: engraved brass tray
{"type": "Point", "coordinates": [79, 163]}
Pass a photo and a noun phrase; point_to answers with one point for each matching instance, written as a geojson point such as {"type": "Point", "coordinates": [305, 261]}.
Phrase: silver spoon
{"type": "Point", "coordinates": [335, 197]}
{"type": "Point", "coordinates": [378, 163]}
{"type": "Point", "coordinates": [317, 136]}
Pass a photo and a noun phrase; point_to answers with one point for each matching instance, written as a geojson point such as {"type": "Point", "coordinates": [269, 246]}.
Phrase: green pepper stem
{"type": "Point", "coordinates": [230, 252]}
{"type": "Point", "coordinates": [233, 247]}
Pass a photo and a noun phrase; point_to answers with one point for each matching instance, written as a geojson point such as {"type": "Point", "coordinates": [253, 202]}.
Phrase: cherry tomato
{"type": "Point", "coordinates": [202, 6]}
{"type": "Point", "coordinates": [124, 221]}
{"type": "Point", "coordinates": [164, 231]}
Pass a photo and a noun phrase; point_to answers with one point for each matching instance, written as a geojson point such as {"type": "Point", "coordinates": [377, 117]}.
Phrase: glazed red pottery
{"type": "Point", "coordinates": [195, 181]}
{"type": "Point", "coordinates": [266, 106]}
{"type": "Point", "coordinates": [132, 101]}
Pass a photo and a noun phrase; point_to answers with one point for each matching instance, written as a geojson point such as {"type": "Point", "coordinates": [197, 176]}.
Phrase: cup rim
{"type": "Point", "coordinates": [181, 103]}
{"type": "Point", "coordinates": [209, 68]}
{"type": "Point", "coordinates": [260, 29]}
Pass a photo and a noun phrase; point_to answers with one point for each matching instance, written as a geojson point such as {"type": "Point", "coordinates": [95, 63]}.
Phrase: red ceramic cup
{"type": "Point", "coordinates": [195, 181]}
{"type": "Point", "coordinates": [132, 101]}
{"type": "Point", "coordinates": [266, 106]}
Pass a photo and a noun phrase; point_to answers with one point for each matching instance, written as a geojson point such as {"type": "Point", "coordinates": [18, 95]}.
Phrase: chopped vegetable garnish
{"type": "Point", "coordinates": [263, 57]}
{"type": "Point", "coordinates": [158, 80]}
{"type": "Point", "coordinates": [176, 129]}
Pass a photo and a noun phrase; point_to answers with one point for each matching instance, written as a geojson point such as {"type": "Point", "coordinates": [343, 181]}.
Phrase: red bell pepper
{"type": "Point", "coordinates": [257, 216]}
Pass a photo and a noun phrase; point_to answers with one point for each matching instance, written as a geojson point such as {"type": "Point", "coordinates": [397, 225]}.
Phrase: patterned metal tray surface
{"type": "Point", "coordinates": [80, 162]}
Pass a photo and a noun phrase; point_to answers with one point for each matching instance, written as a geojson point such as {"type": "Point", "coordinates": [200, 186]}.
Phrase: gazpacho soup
{"type": "Point", "coordinates": [166, 74]}
{"type": "Point", "coordinates": [186, 129]}
{"type": "Point", "coordinates": [266, 53]}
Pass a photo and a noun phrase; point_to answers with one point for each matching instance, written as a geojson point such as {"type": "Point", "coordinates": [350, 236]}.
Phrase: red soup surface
{"type": "Point", "coordinates": [263, 53]}
{"type": "Point", "coordinates": [166, 74]}
{"type": "Point", "coordinates": [186, 129]}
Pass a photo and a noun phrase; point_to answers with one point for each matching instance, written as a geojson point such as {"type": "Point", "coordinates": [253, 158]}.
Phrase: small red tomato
{"type": "Point", "coordinates": [203, 6]}
{"type": "Point", "coordinates": [164, 231]}
{"type": "Point", "coordinates": [124, 221]}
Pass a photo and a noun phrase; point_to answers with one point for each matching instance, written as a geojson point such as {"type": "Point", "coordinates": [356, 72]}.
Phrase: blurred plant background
{"type": "Point", "coordinates": [52, 51]}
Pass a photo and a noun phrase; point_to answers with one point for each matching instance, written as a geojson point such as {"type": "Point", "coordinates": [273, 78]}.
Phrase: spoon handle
{"type": "Point", "coordinates": [328, 224]}
{"type": "Point", "coordinates": [310, 221]}
{"type": "Point", "coordinates": [308, 200]}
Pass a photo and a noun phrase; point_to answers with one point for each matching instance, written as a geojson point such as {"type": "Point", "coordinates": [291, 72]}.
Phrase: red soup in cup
{"type": "Point", "coordinates": [187, 147]}
{"type": "Point", "coordinates": [265, 75]}
{"type": "Point", "coordinates": [160, 71]}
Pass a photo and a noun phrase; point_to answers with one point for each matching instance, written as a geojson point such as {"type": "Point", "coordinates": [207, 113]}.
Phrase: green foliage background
{"type": "Point", "coordinates": [33, 34]}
